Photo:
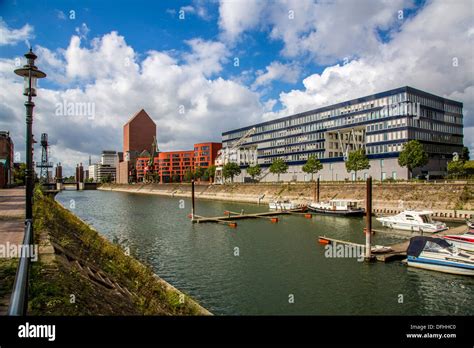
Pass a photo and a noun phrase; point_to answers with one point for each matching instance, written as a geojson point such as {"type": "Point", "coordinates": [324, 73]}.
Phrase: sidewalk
{"type": "Point", "coordinates": [12, 225]}
{"type": "Point", "coordinates": [12, 215]}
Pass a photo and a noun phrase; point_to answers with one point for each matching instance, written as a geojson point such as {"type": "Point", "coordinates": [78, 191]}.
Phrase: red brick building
{"type": "Point", "coordinates": [6, 159]}
{"type": "Point", "coordinates": [172, 166]}
{"type": "Point", "coordinates": [138, 135]}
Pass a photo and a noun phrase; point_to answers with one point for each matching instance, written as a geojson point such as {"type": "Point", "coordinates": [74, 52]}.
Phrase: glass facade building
{"type": "Point", "coordinates": [379, 123]}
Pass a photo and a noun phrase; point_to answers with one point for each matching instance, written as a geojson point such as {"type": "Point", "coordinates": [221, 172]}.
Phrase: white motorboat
{"type": "Point", "coordinates": [283, 205]}
{"type": "Point", "coordinates": [437, 254]}
{"type": "Point", "coordinates": [462, 241]}
{"type": "Point", "coordinates": [338, 207]}
{"type": "Point", "coordinates": [413, 220]}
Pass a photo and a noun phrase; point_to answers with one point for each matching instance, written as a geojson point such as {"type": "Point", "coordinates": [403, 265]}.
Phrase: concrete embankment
{"type": "Point", "coordinates": [79, 272]}
{"type": "Point", "coordinates": [453, 200]}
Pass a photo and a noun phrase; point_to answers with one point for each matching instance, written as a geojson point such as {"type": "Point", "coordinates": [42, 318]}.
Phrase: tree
{"type": "Point", "coordinates": [176, 178]}
{"type": "Point", "coordinates": [254, 171]}
{"type": "Point", "coordinates": [211, 172]}
{"type": "Point", "coordinates": [413, 155]}
{"type": "Point", "coordinates": [465, 154]}
{"type": "Point", "coordinates": [312, 166]}
{"type": "Point", "coordinates": [188, 175]}
{"type": "Point", "coordinates": [357, 160]}
{"type": "Point", "coordinates": [106, 179]}
{"type": "Point", "coordinates": [198, 172]}
{"type": "Point", "coordinates": [456, 168]}
{"type": "Point", "coordinates": [230, 170]}
{"type": "Point", "coordinates": [205, 175]}
{"type": "Point", "coordinates": [469, 167]}
{"type": "Point", "coordinates": [278, 167]}
{"type": "Point", "coordinates": [19, 174]}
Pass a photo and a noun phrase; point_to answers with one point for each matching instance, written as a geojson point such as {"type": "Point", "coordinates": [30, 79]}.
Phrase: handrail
{"type": "Point", "coordinates": [19, 297]}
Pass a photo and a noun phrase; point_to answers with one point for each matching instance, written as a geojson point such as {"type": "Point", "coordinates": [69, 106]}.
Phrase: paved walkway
{"type": "Point", "coordinates": [12, 215]}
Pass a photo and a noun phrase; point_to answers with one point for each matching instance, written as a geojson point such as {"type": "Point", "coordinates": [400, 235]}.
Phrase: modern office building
{"type": "Point", "coordinates": [379, 123]}
{"type": "Point", "coordinates": [6, 159]}
{"type": "Point", "coordinates": [171, 166]}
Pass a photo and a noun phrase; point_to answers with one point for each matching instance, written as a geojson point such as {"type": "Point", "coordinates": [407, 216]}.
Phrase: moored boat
{"type": "Point", "coordinates": [462, 241]}
{"type": "Point", "coordinates": [413, 220]}
{"type": "Point", "coordinates": [283, 205]}
{"type": "Point", "coordinates": [437, 254]}
{"type": "Point", "coordinates": [347, 207]}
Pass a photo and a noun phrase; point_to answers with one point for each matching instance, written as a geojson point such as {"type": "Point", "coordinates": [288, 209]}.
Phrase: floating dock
{"type": "Point", "coordinates": [230, 217]}
{"type": "Point", "coordinates": [399, 250]}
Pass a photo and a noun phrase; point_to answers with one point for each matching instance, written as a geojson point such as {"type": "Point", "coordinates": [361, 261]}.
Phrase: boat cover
{"type": "Point", "coordinates": [420, 243]}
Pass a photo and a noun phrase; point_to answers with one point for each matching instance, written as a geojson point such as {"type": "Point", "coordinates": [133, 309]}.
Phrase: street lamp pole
{"type": "Point", "coordinates": [30, 74]}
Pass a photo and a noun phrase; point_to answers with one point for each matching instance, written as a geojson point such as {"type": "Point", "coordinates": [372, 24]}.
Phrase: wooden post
{"type": "Point", "coordinates": [192, 200]}
{"type": "Point", "coordinates": [317, 199]}
{"type": "Point", "coordinates": [368, 211]}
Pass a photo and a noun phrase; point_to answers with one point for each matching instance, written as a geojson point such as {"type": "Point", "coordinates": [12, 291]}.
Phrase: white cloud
{"type": "Point", "coordinates": [327, 30]}
{"type": "Point", "coordinates": [420, 55]}
{"type": "Point", "coordinates": [235, 17]}
{"type": "Point", "coordinates": [109, 75]}
{"type": "Point", "coordinates": [277, 71]}
{"type": "Point", "coordinates": [12, 36]}
{"type": "Point", "coordinates": [82, 31]}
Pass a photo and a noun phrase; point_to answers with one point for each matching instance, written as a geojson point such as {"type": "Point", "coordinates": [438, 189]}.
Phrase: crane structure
{"type": "Point", "coordinates": [150, 170]}
{"type": "Point", "coordinates": [44, 165]}
{"type": "Point", "coordinates": [228, 154]}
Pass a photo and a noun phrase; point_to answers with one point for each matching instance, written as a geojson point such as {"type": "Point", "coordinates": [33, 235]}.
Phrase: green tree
{"type": "Point", "coordinates": [465, 154]}
{"type": "Point", "coordinates": [188, 175]}
{"type": "Point", "coordinates": [357, 160]}
{"type": "Point", "coordinates": [176, 178]}
{"type": "Point", "coordinates": [19, 174]}
{"type": "Point", "coordinates": [456, 168]}
{"type": "Point", "coordinates": [230, 170]}
{"type": "Point", "coordinates": [254, 171]}
{"type": "Point", "coordinates": [205, 175]}
{"type": "Point", "coordinates": [211, 172]}
{"type": "Point", "coordinates": [312, 166]}
{"type": "Point", "coordinates": [106, 179]}
{"type": "Point", "coordinates": [198, 172]}
{"type": "Point", "coordinates": [278, 167]}
{"type": "Point", "coordinates": [413, 156]}
{"type": "Point", "coordinates": [469, 167]}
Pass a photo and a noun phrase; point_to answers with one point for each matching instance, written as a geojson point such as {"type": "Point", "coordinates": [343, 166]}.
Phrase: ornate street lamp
{"type": "Point", "coordinates": [30, 74]}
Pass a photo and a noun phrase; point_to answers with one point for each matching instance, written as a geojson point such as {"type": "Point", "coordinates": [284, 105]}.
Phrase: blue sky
{"type": "Point", "coordinates": [294, 55]}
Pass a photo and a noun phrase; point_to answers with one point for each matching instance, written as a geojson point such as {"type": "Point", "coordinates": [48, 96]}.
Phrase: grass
{"type": "Point", "coordinates": [60, 288]}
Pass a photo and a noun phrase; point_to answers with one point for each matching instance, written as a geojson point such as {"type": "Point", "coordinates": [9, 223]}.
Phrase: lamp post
{"type": "Point", "coordinates": [30, 74]}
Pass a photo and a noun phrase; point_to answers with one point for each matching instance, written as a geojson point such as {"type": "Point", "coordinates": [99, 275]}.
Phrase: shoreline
{"type": "Point", "coordinates": [458, 204]}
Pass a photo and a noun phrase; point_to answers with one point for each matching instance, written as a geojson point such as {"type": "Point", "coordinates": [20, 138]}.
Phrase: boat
{"type": "Point", "coordinates": [437, 254]}
{"type": "Point", "coordinates": [470, 224]}
{"type": "Point", "coordinates": [347, 207]}
{"type": "Point", "coordinates": [283, 205]}
{"type": "Point", "coordinates": [413, 220]}
{"type": "Point", "coordinates": [462, 241]}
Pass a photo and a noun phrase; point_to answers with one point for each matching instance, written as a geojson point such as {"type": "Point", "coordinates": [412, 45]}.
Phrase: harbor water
{"type": "Point", "coordinates": [260, 268]}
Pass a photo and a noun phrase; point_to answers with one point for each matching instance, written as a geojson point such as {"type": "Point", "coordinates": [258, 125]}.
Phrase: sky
{"type": "Point", "coordinates": [200, 68]}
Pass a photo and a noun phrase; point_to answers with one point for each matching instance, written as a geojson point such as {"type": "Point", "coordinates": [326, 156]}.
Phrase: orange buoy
{"type": "Point", "coordinates": [226, 212]}
{"type": "Point", "coordinates": [232, 224]}
{"type": "Point", "coordinates": [308, 216]}
{"type": "Point", "coordinates": [274, 220]}
{"type": "Point", "coordinates": [190, 216]}
{"type": "Point", "coordinates": [323, 241]}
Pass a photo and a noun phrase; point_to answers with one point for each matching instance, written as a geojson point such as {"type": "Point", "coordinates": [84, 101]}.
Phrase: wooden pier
{"type": "Point", "coordinates": [230, 217]}
{"type": "Point", "coordinates": [399, 250]}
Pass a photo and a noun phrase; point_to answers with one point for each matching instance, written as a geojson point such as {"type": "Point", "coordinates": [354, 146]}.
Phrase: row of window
{"type": "Point", "coordinates": [387, 136]}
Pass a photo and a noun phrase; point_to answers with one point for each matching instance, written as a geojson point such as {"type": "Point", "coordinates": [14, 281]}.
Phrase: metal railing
{"type": "Point", "coordinates": [19, 297]}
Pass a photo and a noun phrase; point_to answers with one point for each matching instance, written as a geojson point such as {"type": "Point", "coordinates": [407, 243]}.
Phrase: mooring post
{"type": "Point", "coordinates": [317, 190]}
{"type": "Point", "coordinates": [368, 211]}
{"type": "Point", "coordinates": [192, 200]}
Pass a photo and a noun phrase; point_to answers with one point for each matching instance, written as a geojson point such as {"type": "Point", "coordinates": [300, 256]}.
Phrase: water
{"type": "Point", "coordinates": [275, 264]}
